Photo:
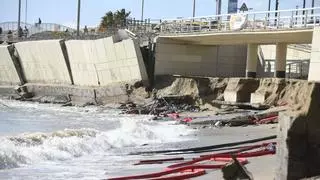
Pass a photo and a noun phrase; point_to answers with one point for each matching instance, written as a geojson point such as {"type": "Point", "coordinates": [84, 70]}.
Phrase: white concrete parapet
{"type": "Point", "coordinates": [101, 62]}
{"type": "Point", "coordinates": [8, 72]}
{"type": "Point", "coordinates": [43, 62]}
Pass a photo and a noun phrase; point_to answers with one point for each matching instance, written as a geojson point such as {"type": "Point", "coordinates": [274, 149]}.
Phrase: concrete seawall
{"type": "Point", "coordinates": [101, 62]}
{"type": "Point", "coordinates": [43, 62]}
{"type": "Point", "coordinates": [84, 71]}
{"type": "Point", "coordinates": [8, 72]}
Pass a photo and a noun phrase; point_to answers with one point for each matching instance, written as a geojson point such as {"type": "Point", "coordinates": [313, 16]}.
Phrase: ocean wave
{"type": "Point", "coordinates": [73, 143]}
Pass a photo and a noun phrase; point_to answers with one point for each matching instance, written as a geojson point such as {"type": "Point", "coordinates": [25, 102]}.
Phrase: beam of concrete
{"type": "Point", "coordinates": [245, 37]}
{"type": "Point", "coordinates": [252, 59]}
{"type": "Point", "coordinates": [314, 74]}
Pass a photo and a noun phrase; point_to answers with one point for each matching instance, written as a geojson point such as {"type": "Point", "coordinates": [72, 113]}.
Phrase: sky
{"type": "Point", "coordinates": [65, 11]}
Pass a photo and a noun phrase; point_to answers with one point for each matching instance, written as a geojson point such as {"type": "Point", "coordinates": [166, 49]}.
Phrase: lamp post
{"type": "Point", "coordinates": [19, 15]}
{"type": "Point", "coordinates": [218, 9]}
{"type": "Point", "coordinates": [312, 5]}
{"type": "Point", "coordinates": [142, 10]}
{"type": "Point", "coordinates": [276, 14]}
{"type": "Point", "coordinates": [269, 8]}
{"type": "Point", "coordinates": [304, 6]}
{"type": "Point", "coordinates": [194, 8]}
{"type": "Point", "coordinates": [78, 19]}
{"type": "Point", "coordinates": [297, 7]}
{"type": "Point", "coordinates": [26, 16]}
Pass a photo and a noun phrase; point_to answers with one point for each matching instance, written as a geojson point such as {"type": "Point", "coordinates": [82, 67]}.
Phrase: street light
{"type": "Point", "coordinates": [276, 14]}
{"type": "Point", "coordinates": [19, 15]}
{"type": "Point", "coordinates": [194, 8]}
{"type": "Point", "coordinates": [26, 16]}
{"type": "Point", "coordinates": [269, 8]}
{"type": "Point", "coordinates": [142, 10]}
{"type": "Point", "coordinates": [304, 6]}
{"type": "Point", "coordinates": [312, 5]}
{"type": "Point", "coordinates": [218, 7]}
{"type": "Point", "coordinates": [78, 19]}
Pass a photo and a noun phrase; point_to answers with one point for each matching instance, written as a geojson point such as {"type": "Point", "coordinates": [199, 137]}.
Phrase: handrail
{"type": "Point", "coordinates": [291, 18]}
{"type": "Point", "coordinates": [247, 13]}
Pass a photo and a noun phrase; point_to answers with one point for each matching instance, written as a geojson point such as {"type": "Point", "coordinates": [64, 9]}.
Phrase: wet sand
{"type": "Point", "coordinates": [261, 167]}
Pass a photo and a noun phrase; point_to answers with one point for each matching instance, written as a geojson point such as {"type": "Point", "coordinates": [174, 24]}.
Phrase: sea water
{"type": "Point", "coordinates": [47, 141]}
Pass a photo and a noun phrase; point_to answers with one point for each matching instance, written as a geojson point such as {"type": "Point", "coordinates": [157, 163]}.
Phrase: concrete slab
{"type": "Point", "coordinates": [101, 62]}
{"type": "Point", "coordinates": [269, 91]}
{"type": "Point", "coordinates": [8, 71]}
{"type": "Point", "coordinates": [258, 98]}
{"type": "Point", "coordinates": [43, 62]}
{"type": "Point", "coordinates": [239, 90]}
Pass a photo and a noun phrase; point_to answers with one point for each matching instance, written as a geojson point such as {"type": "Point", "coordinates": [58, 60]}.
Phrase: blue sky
{"type": "Point", "coordinates": [64, 11]}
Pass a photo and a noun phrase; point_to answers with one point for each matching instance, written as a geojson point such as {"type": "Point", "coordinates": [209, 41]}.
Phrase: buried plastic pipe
{"type": "Point", "coordinates": [224, 155]}
{"type": "Point", "coordinates": [207, 147]}
{"type": "Point", "coordinates": [192, 168]}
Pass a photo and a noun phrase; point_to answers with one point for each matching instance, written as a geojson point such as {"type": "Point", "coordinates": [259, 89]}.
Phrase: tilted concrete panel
{"type": "Point", "coordinates": [82, 61]}
{"type": "Point", "coordinates": [8, 72]}
{"type": "Point", "coordinates": [101, 62]}
{"type": "Point", "coordinates": [43, 62]}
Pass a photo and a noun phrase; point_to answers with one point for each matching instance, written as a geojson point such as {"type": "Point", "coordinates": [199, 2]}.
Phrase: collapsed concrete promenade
{"type": "Point", "coordinates": [97, 71]}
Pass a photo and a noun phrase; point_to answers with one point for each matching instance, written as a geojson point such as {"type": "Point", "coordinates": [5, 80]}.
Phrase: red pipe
{"type": "Point", "coordinates": [226, 154]}
{"type": "Point", "coordinates": [266, 120]}
{"type": "Point", "coordinates": [196, 173]}
{"type": "Point", "coordinates": [180, 170]}
{"type": "Point", "coordinates": [198, 169]}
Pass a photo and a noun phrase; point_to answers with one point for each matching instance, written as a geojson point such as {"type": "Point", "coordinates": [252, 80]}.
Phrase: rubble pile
{"type": "Point", "coordinates": [162, 106]}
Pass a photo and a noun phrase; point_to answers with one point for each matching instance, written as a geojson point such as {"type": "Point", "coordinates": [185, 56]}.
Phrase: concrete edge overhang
{"type": "Point", "coordinates": [290, 36]}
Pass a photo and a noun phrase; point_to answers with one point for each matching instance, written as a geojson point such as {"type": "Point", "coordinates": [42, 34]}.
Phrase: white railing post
{"type": "Point", "coordinates": [192, 28]}
{"type": "Point", "coordinates": [266, 21]}
{"type": "Point", "coordinates": [210, 24]}
{"type": "Point", "coordinates": [254, 21]}
{"type": "Point", "coordinates": [291, 21]}
{"type": "Point", "coordinates": [278, 20]}
{"type": "Point", "coordinates": [306, 19]}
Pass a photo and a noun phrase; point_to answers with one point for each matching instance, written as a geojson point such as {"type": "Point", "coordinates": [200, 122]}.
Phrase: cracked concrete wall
{"type": "Point", "coordinates": [43, 62]}
{"type": "Point", "coordinates": [8, 72]}
{"type": "Point", "coordinates": [102, 62]}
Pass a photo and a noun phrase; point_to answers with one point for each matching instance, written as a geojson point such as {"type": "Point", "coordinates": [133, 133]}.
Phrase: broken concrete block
{"type": "Point", "coordinates": [268, 91]}
{"type": "Point", "coordinates": [298, 151]}
{"type": "Point", "coordinates": [236, 171]}
{"type": "Point", "coordinates": [239, 90]}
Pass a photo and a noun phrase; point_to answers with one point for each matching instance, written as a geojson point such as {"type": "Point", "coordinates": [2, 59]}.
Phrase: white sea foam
{"type": "Point", "coordinates": [68, 144]}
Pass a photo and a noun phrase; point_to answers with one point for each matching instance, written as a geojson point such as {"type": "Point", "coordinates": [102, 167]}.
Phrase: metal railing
{"type": "Point", "coordinates": [298, 69]}
{"type": "Point", "coordinates": [143, 30]}
{"type": "Point", "coordinates": [34, 28]}
{"type": "Point", "coordinates": [253, 21]}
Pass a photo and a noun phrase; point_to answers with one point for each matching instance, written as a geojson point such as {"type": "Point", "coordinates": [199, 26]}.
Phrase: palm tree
{"type": "Point", "coordinates": [121, 16]}
{"type": "Point", "coordinates": [107, 21]}
{"type": "Point", "coordinates": [112, 20]}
